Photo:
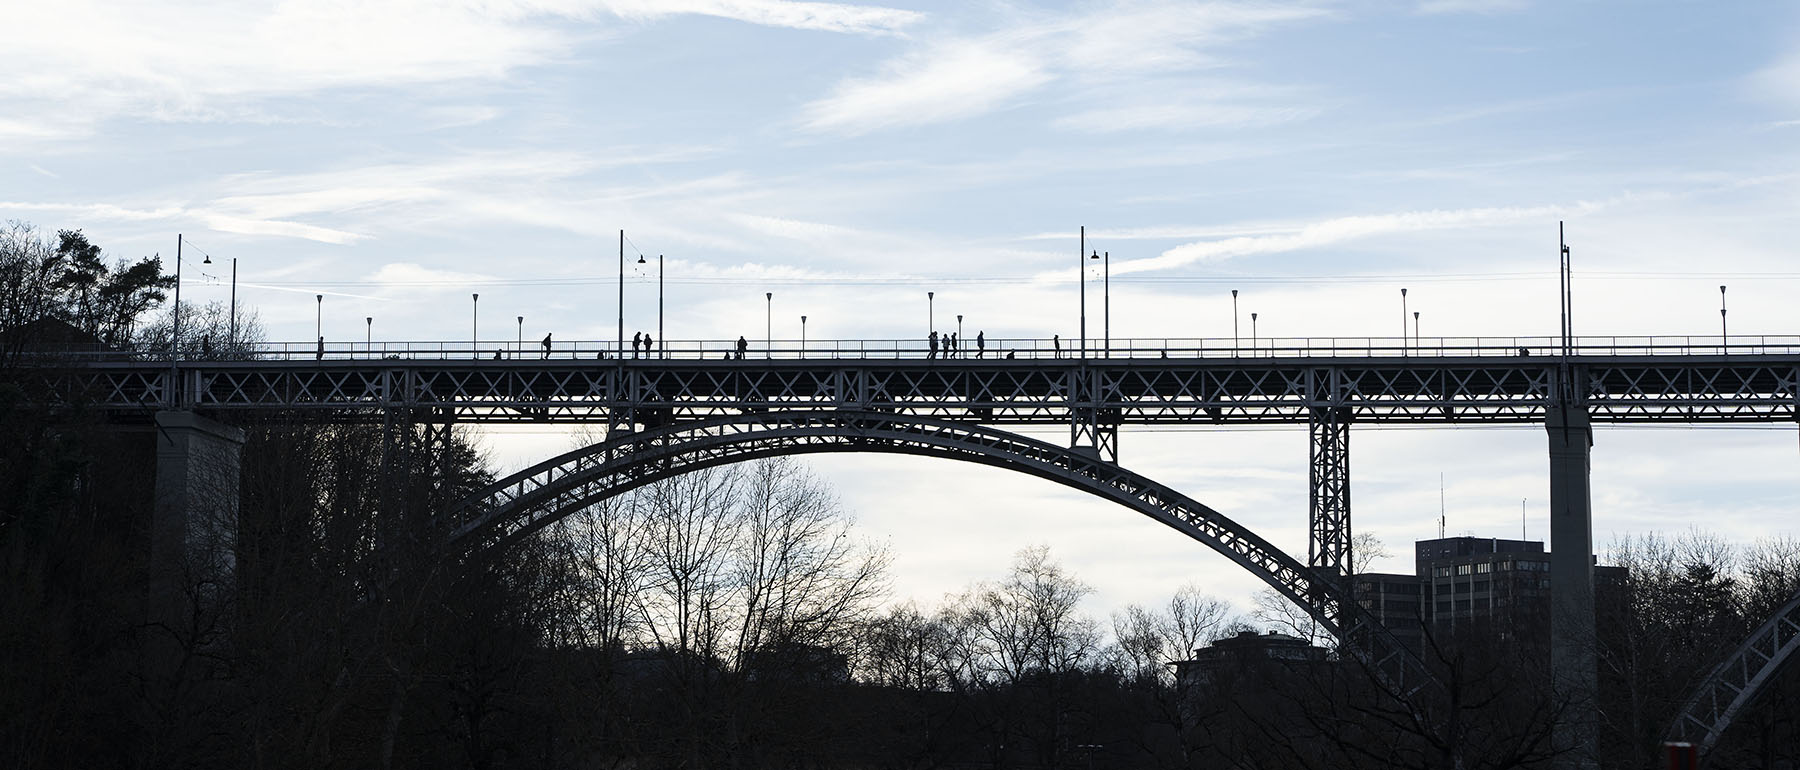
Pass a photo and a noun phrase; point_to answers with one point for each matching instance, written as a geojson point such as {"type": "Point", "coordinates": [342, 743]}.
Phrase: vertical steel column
{"type": "Point", "coordinates": [1088, 432]}
{"type": "Point", "coordinates": [1572, 657]}
{"type": "Point", "coordinates": [1328, 498]}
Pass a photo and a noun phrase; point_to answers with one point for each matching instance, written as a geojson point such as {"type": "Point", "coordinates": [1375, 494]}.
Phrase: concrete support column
{"type": "Point", "coordinates": [1572, 642]}
{"type": "Point", "coordinates": [193, 538]}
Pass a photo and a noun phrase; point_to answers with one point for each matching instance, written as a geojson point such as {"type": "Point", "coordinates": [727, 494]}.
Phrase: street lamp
{"type": "Point", "coordinates": [231, 338]}
{"type": "Point", "coordinates": [959, 335]}
{"type": "Point", "coordinates": [1252, 333]}
{"type": "Point", "coordinates": [319, 317]}
{"type": "Point", "coordinates": [1234, 323]}
{"type": "Point", "coordinates": [768, 324]}
{"type": "Point", "coordinates": [659, 302]}
{"type": "Point", "coordinates": [1416, 342]}
{"type": "Point", "coordinates": [802, 336]}
{"type": "Point", "coordinates": [1724, 344]}
{"type": "Point", "coordinates": [1403, 346]}
{"type": "Point", "coordinates": [930, 312]}
{"type": "Point", "coordinates": [475, 327]}
{"type": "Point", "coordinates": [1106, 299]}
{"type": "Point", "coordinates": [519, 349]}
{"type": "Point", "coordinates": [1094, 255]}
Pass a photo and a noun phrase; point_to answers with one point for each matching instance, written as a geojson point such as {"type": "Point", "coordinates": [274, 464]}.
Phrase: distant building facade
{"type": "Point", "coordinates": [1488, 584]}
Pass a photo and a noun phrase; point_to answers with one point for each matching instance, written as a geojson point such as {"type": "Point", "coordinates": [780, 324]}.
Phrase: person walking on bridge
{"type": "Point", "coordinates": [546, 346]}
{"type": "Point", "coordinates": [1056, 344]}
{"type": "Point", "coordinates": [933, 348]}
{"type": "Point", "coordinates": [743, 345]}
{"type": "Point", "coordinates": [637, 341]}
{"type": "Point", "coordinates": [980, 344]}
{"type": "Point", "coordinates": [647, 345]}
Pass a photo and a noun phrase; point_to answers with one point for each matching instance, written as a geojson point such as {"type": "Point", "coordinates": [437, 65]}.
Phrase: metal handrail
{"type": "Point", "coordinates": [995, 349]}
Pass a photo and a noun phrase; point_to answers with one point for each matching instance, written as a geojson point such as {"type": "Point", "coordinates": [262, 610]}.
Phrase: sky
{"type": "Point", "coordinates": [396, 157]}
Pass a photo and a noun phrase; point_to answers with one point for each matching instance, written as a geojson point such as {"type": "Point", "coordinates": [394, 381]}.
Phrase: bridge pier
{"type": "Point", "coordinates": [193, 533]}
{"type": "Point", "coordinates": [1573, 662]}
{"type": "Point", "coordinates": [1328, 495]}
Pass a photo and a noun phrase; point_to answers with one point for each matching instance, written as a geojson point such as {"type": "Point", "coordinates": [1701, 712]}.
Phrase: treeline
{"type": "Point", "coordinates": [728, 618]}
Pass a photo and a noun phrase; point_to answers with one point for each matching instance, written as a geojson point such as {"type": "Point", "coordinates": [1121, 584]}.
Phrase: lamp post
{"type": "Point", "coordinates": [930, 312]}
{"type": "Point", "coordinates": [318, 317]}
{"type": "Point", "coordinates": [659, 301]}
{"type": "Point", "coordinates": [175, 331]}
{"type": "Point", "coordinates": [1253, 334]}
{"type": "Point", "coordinates": [475, 327]}
{"type": "Point", "coordinates": [959, 335]}
{"type": "Point", "coordinates": [1106, 299]}
{"type": "Point", "coordinates": [1724, 344]}
{"type": "Point", "coordinates": [802, 336]}
{"type": "Point", "coordinates": [1081, 262]}
{"type": "Point", "coordinates": [1416, 342]}
{"type": "Point", "coordinates": [1403, 344]}
{"type": "Point", "coordinates": [369, 335]}
{"type": "Point", "coordinates": [619, 350]}
{"type": "Point", "coordinates": [519, 347]}
{"type": "Point", "coordinates": [768, 324]}
{"type": "Point", "coordinates": [1234, 323]}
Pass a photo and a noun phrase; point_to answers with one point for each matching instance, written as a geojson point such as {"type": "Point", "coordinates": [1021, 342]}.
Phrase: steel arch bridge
{"type": "Point", "coordinates": [531, 499]}
{"type": "Point", "coordinates": [1735, 682]}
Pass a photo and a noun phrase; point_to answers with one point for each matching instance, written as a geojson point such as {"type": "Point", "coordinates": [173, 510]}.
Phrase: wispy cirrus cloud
{"type": "Point", "coordinates": [1471, 6]}
{"type": "Point", "coordinates": [77, 63]}
{"type": "Point", "coordinates": [1107, 56]}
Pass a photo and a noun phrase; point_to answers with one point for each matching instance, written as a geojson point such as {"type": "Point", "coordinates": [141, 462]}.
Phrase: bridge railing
{"type": "Point", "coordinates": [994, 349]}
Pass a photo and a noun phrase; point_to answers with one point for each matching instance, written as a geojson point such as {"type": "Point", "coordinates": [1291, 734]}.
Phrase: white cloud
{"type": "Point", "coordinates": [79, 62]}
{"type": "Point", "coordinates": [1471, 6]}
{"type": "Point", "coordinates": [943, 83]}
{"type": "Point", "coordinates": [828, 17]}
{"type": "Point", "coordinates": [1103, 54]}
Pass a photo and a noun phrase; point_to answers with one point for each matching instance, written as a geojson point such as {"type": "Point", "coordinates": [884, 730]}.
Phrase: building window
{"type": "Point", "coordinates": [1462, 569]}
{"type": "Point", "coordinates": [1484, 568]}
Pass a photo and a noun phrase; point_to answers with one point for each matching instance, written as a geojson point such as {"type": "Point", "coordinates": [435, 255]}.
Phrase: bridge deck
{"type": "Point", "coordinates": [1620, 383]}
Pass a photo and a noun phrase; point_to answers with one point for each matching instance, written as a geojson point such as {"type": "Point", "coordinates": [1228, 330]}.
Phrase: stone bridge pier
{"type": "Point", "coordinates": [193, 532]}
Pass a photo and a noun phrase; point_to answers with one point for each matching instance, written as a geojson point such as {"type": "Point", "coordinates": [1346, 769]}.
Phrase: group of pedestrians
{"type": "Point", "coordinates": [641, 341]}
{"type": "Point", "coordinates": [953, 347]}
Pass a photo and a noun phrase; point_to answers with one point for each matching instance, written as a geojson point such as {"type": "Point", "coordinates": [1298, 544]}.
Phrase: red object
{"type": "Point", "coordinates": [1682, 756]}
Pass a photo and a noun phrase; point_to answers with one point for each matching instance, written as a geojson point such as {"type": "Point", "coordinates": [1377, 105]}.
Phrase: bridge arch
{"type": "Point", "coordinates": [526, 501]}
{"type": "Point", "coordinates": [1736, 681]}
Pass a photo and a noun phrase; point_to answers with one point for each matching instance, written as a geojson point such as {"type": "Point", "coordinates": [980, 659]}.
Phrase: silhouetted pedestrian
{"type": "Point", "coordinates": [496, 355]}
{"type": "Point", "coordinates": [320, 355]}
{"type": "Point", "coordinates": [933, 353]}
{"type": "Point", "coordinates": [1009, 355]}
{"type": "Point", "coordinates": [637, 340]}
{"type": "Point", "coordinates": [955, 347]}
{"type": "Point", "coordinates": [1524, 351]}
{"type": "Point", "coordinates": [546, 346]}
{"type": "Point", "coordinates": [742, 347]}
{"type": "Point", "coordinates": [1165, 354]}
{"type": "Point", "coordinates": [980, 344]}
{"type": "Point", "coordinates": [1056, 344]}
{"type": "Point", "coordinates": [647, 345]}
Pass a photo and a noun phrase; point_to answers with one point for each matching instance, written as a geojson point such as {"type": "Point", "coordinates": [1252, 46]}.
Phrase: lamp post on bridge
{"type": "Point", "coordinates": [930, 312]}
{"type": "Point", "coordinates": [1724, 342]}
{"type": "Point", "coordinates": [475, 326]}
{"type": "Point", "coordinates": [1105, 300]}
{"type": "Point", "coordinates": [1416, 342]}
{"type": "Point", "coordinates": [659, 301]}
{"type": "Point", "coordinates": [1234, 323]}
{"type": "Point", "coordinates": [318, 318]}
{"type": "Point", "coordinates": [369, 335]}
{"type": "Point", "coordinates": [1253, 334]}
{"type": "Point", "coordinates": [519, 347]}
{"type": "Point", "coordinates": [768, 324]}
{"type": "Point", "coordinates": [1403, 343]}
{"type": "Point", "coordinates": [959, 335]}
{"type": "Point", "coordinates": [802, 336]}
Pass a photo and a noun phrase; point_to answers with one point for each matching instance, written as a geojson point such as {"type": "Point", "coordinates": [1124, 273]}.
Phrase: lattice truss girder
{"type": "Point", "coordinates": [1734, 683]}
{"type": "Point", "coordinates": [1617, 389]}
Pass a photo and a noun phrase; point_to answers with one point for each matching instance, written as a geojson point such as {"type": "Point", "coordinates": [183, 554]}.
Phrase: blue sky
{"type": "Point", "coordinates": [397, 156]}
